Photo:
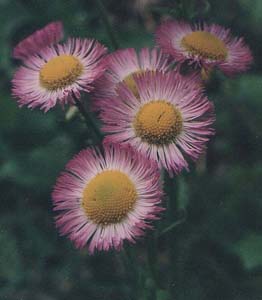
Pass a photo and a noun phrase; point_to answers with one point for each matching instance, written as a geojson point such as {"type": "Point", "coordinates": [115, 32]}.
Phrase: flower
{"type": "Point", "coordinates": [169, 117]}
{"type": "Point", "coordinates": [104, 199]}
{"type": "Point", "coordinates": [59, 73]}
{"type": "Point", "coordinates": [51, 34]}
{"type": "Point", "coordinates": [121, 66]}
{"type": "Point", "coordinates": [205, 45]}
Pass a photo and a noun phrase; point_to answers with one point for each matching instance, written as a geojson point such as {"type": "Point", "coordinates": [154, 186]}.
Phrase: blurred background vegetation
{"type": "Point", "coordinates": [216, 254]}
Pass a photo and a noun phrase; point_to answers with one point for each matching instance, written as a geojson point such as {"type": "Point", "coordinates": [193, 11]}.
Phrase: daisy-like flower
{"type": "Point", "coordinates": [205, 45]}
{"type": "Point", "coordinates": [170, 116]}
{"type": "Point", "coordinates": [51, 34]}
{"type": "Point", "coordinates": [121, 66]}
{"type": "Point", "coordinates": [104, 199]}
{"type": "Point", "coordinates": [59, 73]}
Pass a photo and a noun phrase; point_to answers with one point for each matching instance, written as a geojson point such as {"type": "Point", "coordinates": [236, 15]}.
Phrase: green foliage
{"type": "Point", "coordinates": [250, 249]}
{"type": "Point", "coordinates": [215, 254]}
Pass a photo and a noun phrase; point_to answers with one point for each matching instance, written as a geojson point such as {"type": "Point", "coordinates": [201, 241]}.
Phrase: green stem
{"type": "Point", "coordinates": [172, 226]}
{"type": "Point", "coordinates": [153, 280]}
{"type": "Point", "coordinates": [94, 131]}
{"type": "Point", "coordinates": [132, 270]}
{"type": "Point", "coordinates": [171, 188]}
{"type": "Point", "coordinates": [171, 191]}
{"type": "Point", "coordinates": [107, 24]}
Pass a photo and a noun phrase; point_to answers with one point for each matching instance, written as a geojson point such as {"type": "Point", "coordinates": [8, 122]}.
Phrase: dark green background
{"type": "Point", "coordinates": [216, 254]}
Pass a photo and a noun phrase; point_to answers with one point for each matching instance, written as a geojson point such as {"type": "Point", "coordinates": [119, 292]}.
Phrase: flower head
{"type": "Point", "coordinates": [51, 34]}
{"type": "Point", "coordinates": [104, 199]}
{"type": "Point", "coordinates": [59, 73]}
{"type": "Point", "coordinates": [170, 116]}
{"type": "Point", "coordinates": [121, 66]}
{"type": "Point", "coordinates": [206, 45]}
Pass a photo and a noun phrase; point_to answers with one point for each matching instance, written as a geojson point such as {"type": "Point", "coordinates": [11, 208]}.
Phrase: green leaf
{"type": "Point", "coordinates": [162, 295]}
{"type": "Point", "coordinates": [250, 249]}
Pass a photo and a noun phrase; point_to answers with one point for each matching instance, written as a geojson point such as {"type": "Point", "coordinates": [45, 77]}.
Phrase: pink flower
{"type": "Point", "coordinates": [121, 66]}
{"type": "Point", "coordinates": [104, 199]}
{"type": "Point", "coordinates": [51, 34]}
{"type": "Point", "coordinates": [58, 73]}
{"type": "Point", "coordinates": [170, 117]}
{"type": "Point", "coordinates": [204, 45]}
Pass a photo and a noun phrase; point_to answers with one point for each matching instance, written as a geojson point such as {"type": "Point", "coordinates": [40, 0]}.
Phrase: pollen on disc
{"type": "Point", "coordinates": [158, 122]}
{"type": "Point", "coordinates": [60, 71]}
{"type": "Point", "coordinates": [205, 44]}
{"type": "Point", "coordinates": [108, 197]}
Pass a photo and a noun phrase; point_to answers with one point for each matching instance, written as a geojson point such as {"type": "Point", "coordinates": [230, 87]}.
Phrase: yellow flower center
{"type": "Point", "coordinates": [108, 197]}
{"type": "Point", "coordinates": [60, 71]}
{"type": "Point", "coordinates": [205, 44]}
{"type": "Point", "coordinates": [158, 123]}
{"type": "Point", "coordinates": [130, 82]}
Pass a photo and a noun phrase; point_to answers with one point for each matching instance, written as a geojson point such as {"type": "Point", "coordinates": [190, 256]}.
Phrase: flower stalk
{"type": "Point", "coordinates": [92, 127]}
{"type": "Point", "coordinates": [108, 26]}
